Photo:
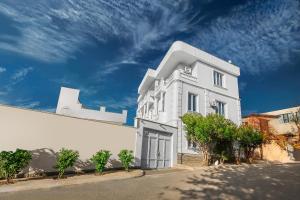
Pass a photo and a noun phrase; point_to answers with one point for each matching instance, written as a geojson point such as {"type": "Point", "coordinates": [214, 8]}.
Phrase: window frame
{"type": "Point", "coordinates": [285, 118]}
{"type": "Point", "coordinates": [194, 102]}
{"type": "Point", "coordinates": [218, 79]}
{"type": "Point", "coordinates": [223, 108]}
{"type": "Point", "coordinates": [163, 101]}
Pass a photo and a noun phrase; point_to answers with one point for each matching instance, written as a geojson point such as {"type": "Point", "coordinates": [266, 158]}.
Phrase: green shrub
{"type": "Point", "coordinates": [213, 135]}
{"type": "Point", "coordinates": [100, 159]}
{"type": "Point", "coordinates": [66, 158]}
{"type": "Point", "coordinates": [249, 139]}
{"type": "Point", "coordinates": [11, 163]}
{"type": "Point", "coordinates": [1, 170]}
{"type": "Point", "coordinates": [126, 157]}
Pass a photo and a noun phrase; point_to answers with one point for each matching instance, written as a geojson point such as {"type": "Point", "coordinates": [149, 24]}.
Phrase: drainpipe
{"type": "Point", "coordinates": [181, 154]}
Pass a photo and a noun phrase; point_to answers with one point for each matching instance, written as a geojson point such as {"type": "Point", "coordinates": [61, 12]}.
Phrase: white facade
{"type": "Point", "coordinates": [189, 80]}
{"type": "Point", "coordinates": [284, 123]}
{"type": "Point", "coordinates": [69, 105]}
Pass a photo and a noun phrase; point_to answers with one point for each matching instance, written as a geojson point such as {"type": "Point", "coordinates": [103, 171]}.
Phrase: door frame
{"type": "Point", "coordinates": [143, 124]}
{"type": "Point", "coordinates": [157, 135]}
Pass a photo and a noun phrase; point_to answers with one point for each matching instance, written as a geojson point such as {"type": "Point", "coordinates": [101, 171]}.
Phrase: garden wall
{"type": "Point", "coordinates": [45, 133]}
{"type": "Point", "coordinates": [273, 152]}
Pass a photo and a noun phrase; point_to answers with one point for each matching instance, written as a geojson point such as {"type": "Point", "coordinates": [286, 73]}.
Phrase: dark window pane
{"type": "Point", "coordinates": [189, 102]}
{"type": "Point", "coordinates": [285, 118]}
{"type": "Point", "coordinates": [194, 103]}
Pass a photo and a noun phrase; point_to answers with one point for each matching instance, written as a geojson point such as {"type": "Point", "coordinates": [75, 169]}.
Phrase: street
{"type": "Point", "coordinates": [224, 182]}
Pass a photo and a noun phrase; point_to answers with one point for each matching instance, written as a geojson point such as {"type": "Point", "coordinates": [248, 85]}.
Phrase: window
{"type": "Point", "coordinates": [192, 102]}
{"type": "Point", "coordinates": [163, 102]}
{"type": "Point", "coordinates": [220, 108]}
{"type": "Point", "coordinates": [191, 144]}
{"type": "Point", "coordinates": [287, 117]}
{"type": "Point", "coordinates": [218, 79]}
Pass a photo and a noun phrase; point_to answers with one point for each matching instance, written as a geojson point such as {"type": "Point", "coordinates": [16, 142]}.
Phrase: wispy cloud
{"type": "Point", "coordinates": [242, 86]}
{"type": "Point", "coordinates": [52, 32]}
{"type": "Point", "coordinates": [258, 36]}
{"type": "Point", "coordinates": [21, 74]}
{"type": "Point", "coordinates": [2, 69]}
{"type": "Point", "coordinates": [17, 77]}
{"type": "Point", "coordinates": [48, 109]}
{"type": "Point", "coordinates": [29, 104]}
{"type": "Point", "coordinates": [110, 68]}
{"type": "Point", "coordinates": [124, 103]}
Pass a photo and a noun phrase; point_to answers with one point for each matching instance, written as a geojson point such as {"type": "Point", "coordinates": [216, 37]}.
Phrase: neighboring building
{"type": "Point", "coordinates": [260, 121]}
{"type": "Point", "coordinates": [69, 105]}
{"type": "Point", "coordinates": [284, 125]}
{"type": "Point", "coordinates": [282, 132]}
{"type": "Point", "coordinates": [278, 122]}
{"type": "Point", "coordinates": [187, 80]}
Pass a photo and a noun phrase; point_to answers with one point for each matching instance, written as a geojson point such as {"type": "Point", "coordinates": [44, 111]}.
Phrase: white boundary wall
{"type": "Point", "coordinates": [45, 133]}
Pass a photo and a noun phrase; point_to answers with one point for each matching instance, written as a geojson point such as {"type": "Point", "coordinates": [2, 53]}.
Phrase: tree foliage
{"type": "Point", "coordinates": [210, 133]}
{"type": "Point", "coordinates": [216, 136]}
{"type": "Point", "coordinates": [100, 159]}
{"type": "Point", "coordinates": [249, 139]}
{"type": "Point", "coordinates": [11, 163]}
{"type": "Point", "coordinates": [126, 157]}
{"type": "Point", "coordinates": [66, 158]}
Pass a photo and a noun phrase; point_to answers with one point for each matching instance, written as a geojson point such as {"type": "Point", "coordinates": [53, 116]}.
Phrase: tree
{"type": "Point", "coordinates": [100, 159]}
{"type": "Point", "coordinates": [66, 158]}
{"type": "Point", "coordinates": [249, 139]}
{"type": "Point", "coordinates": [11, 163]}
{"type": "Point", "coordinates": [126, 157]}
{"type": "Point", "coordinates": [199, 131]}
{"type": "Point", "coordinates": [213, 134]}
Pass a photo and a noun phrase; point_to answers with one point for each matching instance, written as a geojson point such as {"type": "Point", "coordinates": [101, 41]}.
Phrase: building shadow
{"type": "Point", "coordinates": [114, 163]}
{"type": "Point", "coordinates": [43, 161]}
{"type": "Point", "coordinates": [240, 182]}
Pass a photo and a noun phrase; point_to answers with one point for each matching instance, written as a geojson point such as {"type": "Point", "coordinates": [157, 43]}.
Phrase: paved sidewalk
{"type": "Point", "coordinates": [72, 180]}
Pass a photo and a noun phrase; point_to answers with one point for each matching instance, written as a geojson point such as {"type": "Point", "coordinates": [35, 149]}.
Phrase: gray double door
{"type": "Point", "coordinates": [156, 149]}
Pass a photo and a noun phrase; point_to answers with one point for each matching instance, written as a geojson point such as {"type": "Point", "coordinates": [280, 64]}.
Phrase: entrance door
{"type": "Point", "coordinates": [156, 149]}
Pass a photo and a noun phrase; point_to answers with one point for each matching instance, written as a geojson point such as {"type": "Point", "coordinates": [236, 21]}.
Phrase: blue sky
{"type": "Point", "coordinates": [105, 47]}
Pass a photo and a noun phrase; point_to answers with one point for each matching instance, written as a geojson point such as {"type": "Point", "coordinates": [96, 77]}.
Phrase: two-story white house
{"type": "Point", "coordinates": [187, 80]}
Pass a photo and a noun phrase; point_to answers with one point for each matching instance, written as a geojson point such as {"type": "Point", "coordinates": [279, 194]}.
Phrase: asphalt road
{"type": "Point", "coordinates": [229, 182]}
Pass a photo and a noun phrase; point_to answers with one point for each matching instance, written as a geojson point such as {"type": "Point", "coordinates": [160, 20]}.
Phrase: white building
{"type": "Point", "coordinates": [69, 105]}
{"type": "Point", "coordinates": [186, 80]}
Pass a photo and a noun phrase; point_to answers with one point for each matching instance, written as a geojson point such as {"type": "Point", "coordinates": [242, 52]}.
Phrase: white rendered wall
{"type": "Point", "coordinates": [200, 82]}
{"type": "Point", "coordinates": [44, 134]}
{"type": "Point", "coordinates": [68, 104]}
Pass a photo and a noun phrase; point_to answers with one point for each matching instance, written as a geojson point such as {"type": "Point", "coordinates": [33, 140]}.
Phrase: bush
{"type": "Point", "coordinates": [213, 135]}
{"type": "Point", "coordinates": [1, 170]}
{"type": "Point", "coordinates": [126, 158]}
{"type": "Point", "coordinates": [100, 159]}
{"type": "Point", "coordinates": [216, 137]}
{"type": "Point", "coordinates": [249, 139]}
{"type": "Point", "coordinates": [11, 163]}
{"type": "Point", "coordinates": [66, 158]}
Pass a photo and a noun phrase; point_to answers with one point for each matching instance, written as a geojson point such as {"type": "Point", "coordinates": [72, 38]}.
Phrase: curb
{"type": "Point", "coordinates": [76, 180]}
